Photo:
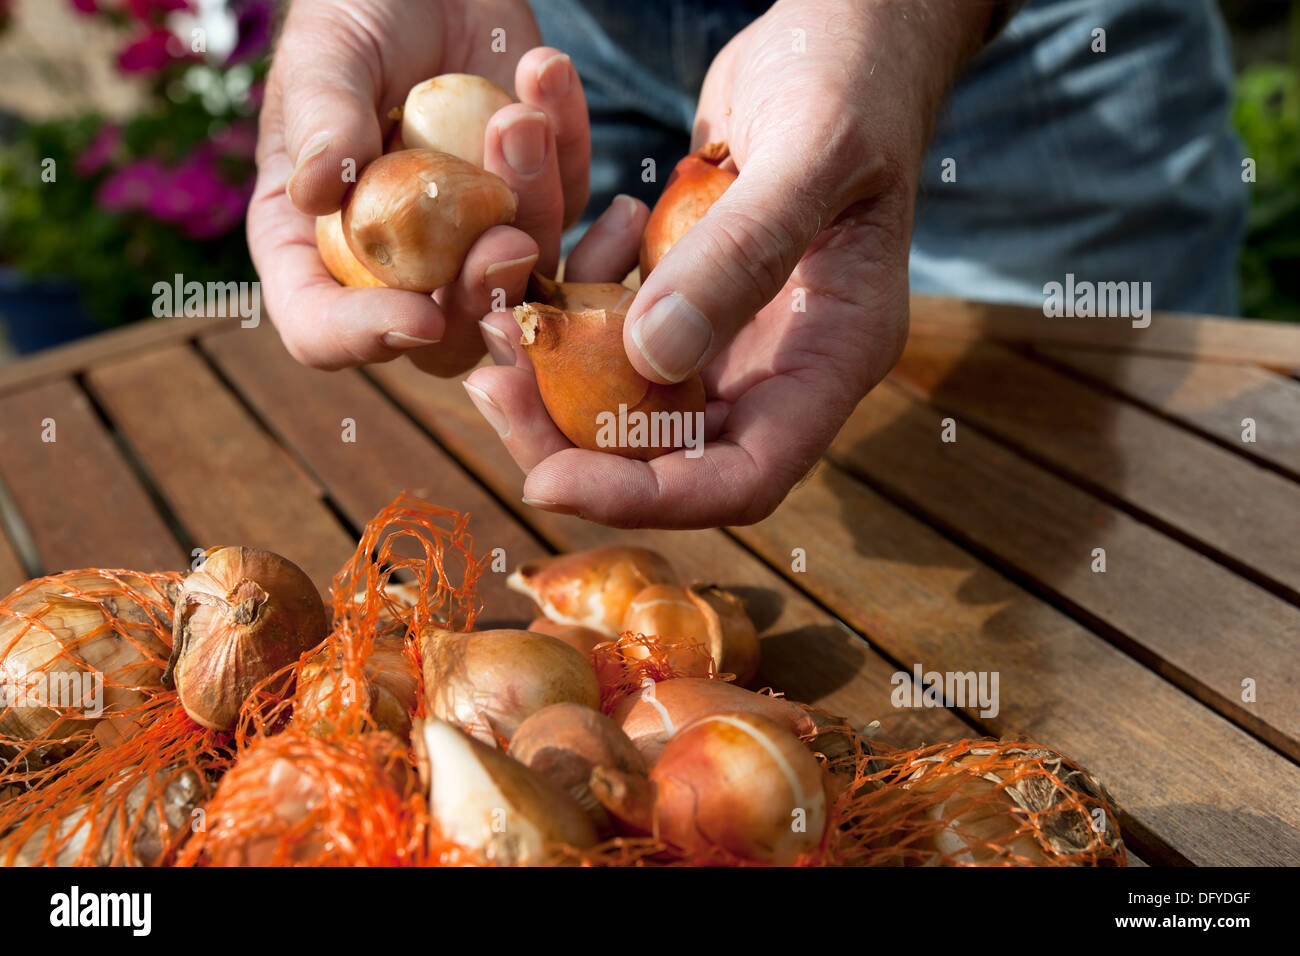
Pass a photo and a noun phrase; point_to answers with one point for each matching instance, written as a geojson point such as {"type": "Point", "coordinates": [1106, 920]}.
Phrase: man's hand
{"type": "Point", "coordinates": [791, 294]}
{"type": "Point", "coordinates": [339, 68]}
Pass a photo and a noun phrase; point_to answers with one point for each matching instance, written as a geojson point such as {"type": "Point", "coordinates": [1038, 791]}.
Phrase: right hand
{"type": "Point", "coordinates": [339, 68]}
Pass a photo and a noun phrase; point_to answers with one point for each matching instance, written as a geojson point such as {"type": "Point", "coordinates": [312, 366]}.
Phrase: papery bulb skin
{"type": "Point", "coordinates": [696, 183]}
{"type": "Point", "coordinates": [338, 258]}
{"type": "Point", "coordinates": [588, 385]}
{"type": "Point", "coordinates": [413, 215]}
{"type": "Point", "coordinates": [243, 616]}
{"type": "Point", "coordinates": [591, 588]}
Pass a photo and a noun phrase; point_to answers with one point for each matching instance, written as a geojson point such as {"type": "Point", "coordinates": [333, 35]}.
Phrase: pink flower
{"type": "Point", "coordinates": [132, 186]}
{"type": "Point", "coordinates": [85, 6]}
{"type": "Point", "coordinates": [148, 53]}
{"type": "Point", "coordinates": [239, 140]}
{"type": "Point", "coordinates": [100, 152]}
{"type": "Point", "coordinates": [146, 9]}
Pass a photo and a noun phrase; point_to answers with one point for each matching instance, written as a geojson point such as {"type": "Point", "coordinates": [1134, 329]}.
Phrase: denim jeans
{"type": "Point", "coordinates": [1112, 166]}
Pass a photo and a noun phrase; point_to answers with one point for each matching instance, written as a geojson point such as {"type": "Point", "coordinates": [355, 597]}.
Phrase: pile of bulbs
{"type": "Point", "coordinates": [413, 214]}
{"type": "Point", "coordinates": [508, 743]}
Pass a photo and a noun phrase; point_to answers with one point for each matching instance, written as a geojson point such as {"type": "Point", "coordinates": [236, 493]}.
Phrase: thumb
{"type": "Point", "coordinates": [327, 86]}
{"type": "Point", "coordinates": [725, 268]}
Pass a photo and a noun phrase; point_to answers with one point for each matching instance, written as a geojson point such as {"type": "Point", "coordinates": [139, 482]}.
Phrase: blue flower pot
{"type": "Point", "coordinates": [41, 312]}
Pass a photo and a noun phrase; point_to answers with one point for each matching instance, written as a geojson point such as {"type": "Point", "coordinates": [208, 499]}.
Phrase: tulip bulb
{"type": "Point", "coordinates": [78, 841]}
{"type": "Point", "coordinates": [701, 614]}
{"type": "Point", "coordinates": [564, 742]}
{"type": "Point", "coordinates": [450, 113]}
{"type": "Point", "coordinates": [338, 258]}
{"type": "Point", "coordinates": [492, 804]}
{"type": "Point", "coordinates": [736, 782]}
{"type": "Point", "coordinates": [488, 682]}
{"type": "Point", "coordinates": [591, 588]}
{"type": "Point", "coordinates": [390, 687]}
{"type": "Point", "coordinates": [412, 216]}
{"type": "Point", "coordinates": [588, 385]}
{"type": "Point", "coordinates": [979, 804]}
{"type": "Point", "coordinates": [59, 632]}
{"type": "Point", "coordinates": [653, 715]}
{"type": "Point", "coordinates": [243, 616]}
{"type": "Point", "coordinates": [695, 185]}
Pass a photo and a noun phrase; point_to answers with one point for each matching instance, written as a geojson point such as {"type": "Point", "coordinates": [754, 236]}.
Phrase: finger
{"type": "Point", "coordinates": [508, 399]}
{"type": "Point", "coordinates": [501, 333]}
{"type": "Point", "coordinates": [496, 268]}
{"type": "Point", "coordinates": [726, 268]}
{"type": "Point", "coordinates": [520, 148]}
{"type": "Point", "coordinates": [547, 79]}
{"type": "Point", "coordinates": [608, 250]}
{"type": "Point", "coordinates": [493, 276]}
{"type": "Point", "coordinates": [323, 324]}
{"type": "Point", "coordinates": [327, 84]}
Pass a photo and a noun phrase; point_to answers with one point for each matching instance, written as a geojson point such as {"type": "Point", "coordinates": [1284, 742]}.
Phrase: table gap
{"type": "Point", "coordinates": [1098, 491]}
{"type": "Point", "coordinates": [183, 536]}
{"type": "Point", "coordinates": [1148, 658]}
{"type": "Point", "coordinates": [1028, 351]}
{"type": "Point", "coordinates": [509, 507]}
{"type": "Point", "coordinates": [18, 535]}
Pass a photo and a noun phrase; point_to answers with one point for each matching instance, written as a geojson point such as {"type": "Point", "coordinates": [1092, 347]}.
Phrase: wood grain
{"type": "Point", "coordinates": [807, 653]}
{"type": "Point", "coordinates": [306, 409]}
{"type": "Point", "coordinates": [1241, 513]}
{"type": "Point", "coordinates": [1190, 784]}
{"type": "Point", "coordinates": [1207, 338]}
{"type": "Point", "coordinates": [223, 477]}
{"type": "Point", "coordinates": [83, 354]}
{"type": "Point", "coordinates": [77, 496]}
{"type": "Point", "coordinates": [1192, 620]}
{"type": "Point", "coordinates": [12, 573]}
{"type": "Point", "coordinates": [1211, 397]}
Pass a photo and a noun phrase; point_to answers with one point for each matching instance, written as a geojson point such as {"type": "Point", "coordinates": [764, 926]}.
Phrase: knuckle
{"type": "Point", "coordinates": [756, 255]}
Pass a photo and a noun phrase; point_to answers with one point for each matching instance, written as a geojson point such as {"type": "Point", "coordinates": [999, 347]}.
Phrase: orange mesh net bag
{"type": "Point", "coordinates": [101, 764]}
{"type": "Point", "coordinates": [321, 768]}
{"type": "Point", "coordinates": [325, 775]}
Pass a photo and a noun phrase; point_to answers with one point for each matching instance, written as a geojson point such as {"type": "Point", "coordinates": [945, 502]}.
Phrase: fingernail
{"type": "Point", "coordinates": [400, 340]}
{"type": "Point", "coordinates": [315, 146]}
{"type": "Point", "coordinates": [489, 410]}
{"type": "Point", "coordinates": [523, 141]}
{"type": "Point", "coordinates": [553, 506]}
{"type": "Point", "coordinates": [511, 267]}
{"type": "Point", "coordinates": [673, 336]}
{"type": "Point", "coordinates": [622, 210]}
{"type": "Point", "coordinates": [555, 76]}
{"type": "Point", "coordinates": [498, 344]}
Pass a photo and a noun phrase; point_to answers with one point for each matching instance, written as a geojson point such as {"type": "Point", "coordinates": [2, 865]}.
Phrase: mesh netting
{"type": "Point", "coordinates": [319, 770]}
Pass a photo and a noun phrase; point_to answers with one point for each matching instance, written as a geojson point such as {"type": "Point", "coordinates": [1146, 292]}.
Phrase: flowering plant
{"type": "Point", "coordinates": [117, 207]}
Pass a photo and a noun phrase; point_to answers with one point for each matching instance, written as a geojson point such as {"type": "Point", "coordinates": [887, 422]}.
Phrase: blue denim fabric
{"type": "Point", "coordinates": [1113, 166]}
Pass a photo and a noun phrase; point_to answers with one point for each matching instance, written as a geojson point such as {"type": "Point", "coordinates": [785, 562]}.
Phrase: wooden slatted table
{"type": "Point", "coordinates": [1174, 674]}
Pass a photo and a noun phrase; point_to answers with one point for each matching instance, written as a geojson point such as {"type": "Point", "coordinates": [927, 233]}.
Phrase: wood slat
{"type": "Point", "coordinates": [77, 496]}
{"type": "Point", "coordinates": [1246, 515]}
{"type": "Point", "coordinates": [1208, 338]}
{"type": "Point", "coordinates": [806, 652]}
{"type": "Point", "coordinates": [1189, 618]}
{"type": "Point", "coordinates": [1191, 785]}
{"type": "Point", "coordinates": [305, 409]}
{"type": "Point", "coordinates": [76, 357]}
{"type": "Point", "coordinates": [224, 478]}
{"type": "Point", "coordinates": [1212, 397]}
{"type": "Point", "coordinates": [12, 573]}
